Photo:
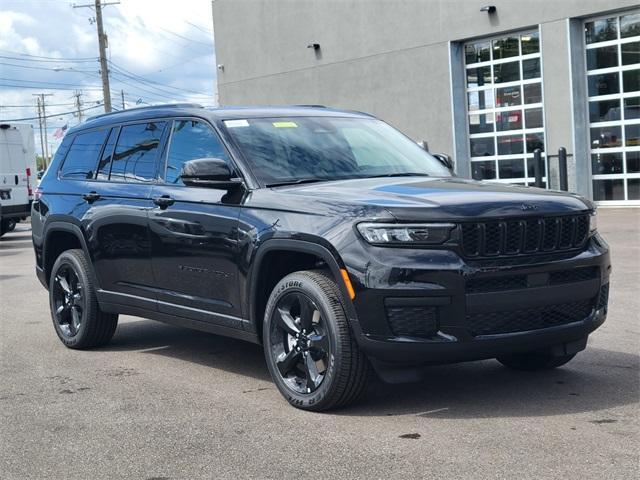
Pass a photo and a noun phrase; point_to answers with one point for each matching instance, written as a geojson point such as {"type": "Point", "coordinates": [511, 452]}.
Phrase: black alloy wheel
{"type": "Point", "coordinates": [68, 300]}
{"type": "Point", "coordinates": [299, 342]}
{"type": "Point", "coordinates": [311, 352]}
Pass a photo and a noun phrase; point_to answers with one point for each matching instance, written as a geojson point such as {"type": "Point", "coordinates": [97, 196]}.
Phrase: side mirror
{"type": "Point", "coordinates": [210, 173]}
{"type": "Point", "coordinates": [444, 159]}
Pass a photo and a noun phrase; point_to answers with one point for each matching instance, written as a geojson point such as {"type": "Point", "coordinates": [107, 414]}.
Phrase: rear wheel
{"type": "Point", "coordinates": [7, 225]}
{"type": "Point", "coordinates": [76, 316]}
{"type": "Point", "coordinates": [535, 361]}
{"type": "Point", "coordinates": [310, 350]}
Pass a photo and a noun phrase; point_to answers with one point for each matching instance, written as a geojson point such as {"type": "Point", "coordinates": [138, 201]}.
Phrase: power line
{"type": "Point", "coordinates": [61, 114]}
{"type": "Point", "coordinates": [48, 88]}
{"type": "Point", "coordinates": [43, 81]}
{"type": "Point", "coordinates": [78, 59]}
{"type": "Point", "coordinates": [141, 79]}
{"type": "Point", "coordinates": [54, 69]}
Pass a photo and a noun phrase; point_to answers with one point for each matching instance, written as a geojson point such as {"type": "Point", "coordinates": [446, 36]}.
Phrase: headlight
{"type": "Point", "coordinates": [398, 234]}
{"type": "Point", "coordinates": [593, 222]}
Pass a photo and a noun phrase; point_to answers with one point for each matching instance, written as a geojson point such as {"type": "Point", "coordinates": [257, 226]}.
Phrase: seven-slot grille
{"type": "Point", "coordinates": [524, 236]}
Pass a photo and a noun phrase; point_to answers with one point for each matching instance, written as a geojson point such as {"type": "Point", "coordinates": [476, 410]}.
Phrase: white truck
{"type": "Point", "coordinates": [17, 174]}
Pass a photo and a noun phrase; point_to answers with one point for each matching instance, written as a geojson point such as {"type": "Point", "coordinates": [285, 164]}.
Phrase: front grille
{"type": "Point", "coordinates": [524, 236]}
{"type": "Point", "coordinates": [535, 318]}
{"type": "Point", "coordinates": [516, 282]}
{"type": "Point", "coordinates": [419, 321]}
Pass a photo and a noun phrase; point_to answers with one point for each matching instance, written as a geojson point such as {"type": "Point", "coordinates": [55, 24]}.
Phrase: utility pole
{"type": "Point", "coordinates": [103, 45]}
{"type": "Point", "coordinates": [42, 114]}
{"type": "Point", "coordinates": [77, 94]}
{"type": "Point", "coordinates": [122, 95]}
{"type": "Point", "coordinates": [44, 160]}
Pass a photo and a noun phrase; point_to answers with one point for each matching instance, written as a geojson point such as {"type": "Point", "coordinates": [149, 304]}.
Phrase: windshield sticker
{"type": "Point", "coordinates": [285, 125]}
{"type": "Point", "coordinates": [236, 123]}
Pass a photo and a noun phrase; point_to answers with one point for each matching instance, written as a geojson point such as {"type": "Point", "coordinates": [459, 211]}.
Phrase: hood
{"type": "Point", "coordinates": [427, 198]}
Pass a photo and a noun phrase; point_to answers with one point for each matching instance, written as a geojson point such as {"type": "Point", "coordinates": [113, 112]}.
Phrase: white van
{"type": "Point", "coordinates": [17, 174]}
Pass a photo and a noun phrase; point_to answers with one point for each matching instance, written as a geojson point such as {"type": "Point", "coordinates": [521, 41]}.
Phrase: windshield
{"type": "Point", "coordinates": [306, 149]}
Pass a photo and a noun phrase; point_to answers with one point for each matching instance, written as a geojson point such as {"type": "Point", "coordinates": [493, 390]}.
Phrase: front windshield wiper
{"type": "Point", "coordinates": [296, 182]}
{"type": "Point", "coordinates": [404, 174]}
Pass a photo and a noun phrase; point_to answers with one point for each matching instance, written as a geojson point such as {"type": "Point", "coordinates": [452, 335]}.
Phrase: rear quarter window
{"type": "Point", "coordinates": [82, 158]}
{"type": "Point", "coordinates": [136, 153]}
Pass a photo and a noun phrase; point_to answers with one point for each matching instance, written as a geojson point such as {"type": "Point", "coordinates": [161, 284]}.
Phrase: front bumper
{"type": "Point", "coordinates": [417, 307]}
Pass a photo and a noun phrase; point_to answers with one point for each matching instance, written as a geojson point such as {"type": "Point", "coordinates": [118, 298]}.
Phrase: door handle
{"type": "Point", "coordinates": [164, 201]}
{"type": "Point", "coordinates": [91, 196]}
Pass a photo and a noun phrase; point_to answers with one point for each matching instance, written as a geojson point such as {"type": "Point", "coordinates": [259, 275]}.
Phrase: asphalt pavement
{"type": "Point", "coordinates": [162, 402]}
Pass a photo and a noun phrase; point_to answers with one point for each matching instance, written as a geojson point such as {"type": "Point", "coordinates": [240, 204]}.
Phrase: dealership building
{"type": "Point", "coordinates": [486, 82]}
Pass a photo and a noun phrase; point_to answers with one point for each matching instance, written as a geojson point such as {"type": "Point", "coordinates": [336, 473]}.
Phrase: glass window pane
{"type": "Point", "coordinates": [631, 80]}
{"type": "Point", "coordinates": [511, 168]}
{"type": "Point", "coordinates": [608, 190]}
{"type": "Point", "coordinates": [531, 68]}
{"type": "Point", "coordinates": [135, 156]}
{"type": "Point", "coordinates": [482, 123]}
{"type": "Point", "coordinates": [533, 118]}
{"type": "Point", "coordinates": [601, 30]}
{"type": "Point", "coordinates": [507, 72]}
{"type": "Point", "coordinates": [508, 96]}
{"type": "Point", "coordinates": [603, 163]}
{"type": "Point", "coordinates": [604, 111]}
{"type": "Point", "coordinates": [633, 162]}
{"type": "Point", "coordinates": [484, 170]}
{"type": "Point", "coordinates": [530, 43]}
{"type": "Point", "coordinates": [105, 162]}
{"type": "Point", "coordinates": [511, 120]}
{"type": "Point", "coordinates": [82, 158]}
{"type": "Point", "coordinates": [480, 100]}
{"type": "Point", "coordinates": [630, 25]}
{"type": "Point", "coordinates": [603, 57]}
{"type": "Point", "coordinates": [191, 140]}
{"type": "Point", "coordinates": [632, 135]}
{"type": "Point", "coordinates": [510, 145]}
{"type": "Point", "coordinates": [535, 140]}
{"type": "Point", "coordinates": [505, 48]}
{"type": "Point", "coordinates": [531, 172]}
{"type": "Point", "coordinates": [477, 52]}
{"type": "Point", "coordinates": [478, 76]}
{"type": "Point", "coordinates": [633, 189]}
{"type": "Point", "coordinates": [606, 137]}
{"type": "Point", "coordinates": [630, 53]}
{"type": "Point", "coordinates": [482, 147]}
{"type": "Point", "coordinates": [532, 93]}
{"type": "Point", "coordinates": [632, 108]}
{"type": "Point", "coordinates": [603, 84]}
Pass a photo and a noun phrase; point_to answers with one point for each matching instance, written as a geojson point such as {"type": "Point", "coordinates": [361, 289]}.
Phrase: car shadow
{"type": "Point", "coordinates": [596, 379]}
{"type": "Point", "coordinates": [15, 238]}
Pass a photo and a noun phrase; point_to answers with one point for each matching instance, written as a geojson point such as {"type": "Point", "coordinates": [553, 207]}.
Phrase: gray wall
{"type": "Point", "coordinates": [389, 58]}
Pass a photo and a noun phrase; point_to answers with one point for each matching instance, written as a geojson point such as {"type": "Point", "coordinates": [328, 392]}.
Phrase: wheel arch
{"type": "Point", "coordinates": [258, 296]}
{"type": "Point", "coordinates": [59, 237]}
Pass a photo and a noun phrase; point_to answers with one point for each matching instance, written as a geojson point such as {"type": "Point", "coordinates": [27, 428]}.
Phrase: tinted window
{"type": "Point", "coordinates": [105, 160]}
{"type": "Point", "coordinates": [135, 156]}
{"type": "Point", "coordinates": [83, 155]}
{"type": "Point", "coordinates": [191, 139]}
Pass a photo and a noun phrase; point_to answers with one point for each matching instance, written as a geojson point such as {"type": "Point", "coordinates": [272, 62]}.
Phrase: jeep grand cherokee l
{"type": "Point", "coordinates": [326, 236]}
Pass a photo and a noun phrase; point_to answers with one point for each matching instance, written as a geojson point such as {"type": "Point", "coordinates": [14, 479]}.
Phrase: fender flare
{"type": "Point", "coordinates": [332, 260]}
{"type": "Point", "coordinates": [57, 226]}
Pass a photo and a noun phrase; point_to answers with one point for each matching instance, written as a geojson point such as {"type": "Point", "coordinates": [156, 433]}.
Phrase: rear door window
{"type": "Point", "coordinates": [82, 158]}
{"type": "Point", "coordinates": [104, 166]}
{"type": "Point", "coordinates": [191, 139]}
{"type": "Point", "coordinates": [136, 153]}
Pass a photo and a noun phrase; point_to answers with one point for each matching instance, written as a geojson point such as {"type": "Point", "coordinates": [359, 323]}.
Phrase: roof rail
{"type": "Point", "coordinates": [149, 107]}
{"type": "Point", "coordinates": [310, 106]}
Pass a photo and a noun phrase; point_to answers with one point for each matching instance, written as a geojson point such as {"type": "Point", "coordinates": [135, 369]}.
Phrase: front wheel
{"type": "Point", "coordinates": [312, 356]}
{"type": "Point", "coordinates": [535, 361]}
{"type": "Point", "coordinates": [76, 316]}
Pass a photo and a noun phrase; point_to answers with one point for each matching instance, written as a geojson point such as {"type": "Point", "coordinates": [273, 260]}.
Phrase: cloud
{"type": "Point", "coordinates": [161, 51]}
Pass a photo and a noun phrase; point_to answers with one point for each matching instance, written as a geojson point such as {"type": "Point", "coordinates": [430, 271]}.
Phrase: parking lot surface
{"type": "Point", "coordinates": [162, 402]}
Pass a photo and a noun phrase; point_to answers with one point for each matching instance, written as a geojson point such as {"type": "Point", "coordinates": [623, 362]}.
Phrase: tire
{"type": "Point", "coordinates": [535, 361]}
{"type": "Point", "coordinates": [342, 369]}
{"type": "Point", "coordinates": [75, 312]}
{"type": "Point", "coordinates": [7, 225]}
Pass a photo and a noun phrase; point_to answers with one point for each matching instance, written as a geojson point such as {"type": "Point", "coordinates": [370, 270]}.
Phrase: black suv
{"type": "Point", "coordinates": [327, 236]}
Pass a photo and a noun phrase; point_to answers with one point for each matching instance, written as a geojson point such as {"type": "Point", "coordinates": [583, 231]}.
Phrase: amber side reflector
{"type": "Point", "coordinates": [347, 283]}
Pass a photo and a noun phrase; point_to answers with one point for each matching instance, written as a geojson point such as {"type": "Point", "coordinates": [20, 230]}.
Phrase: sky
{"type": "Point", "coordinates": [160, 51]}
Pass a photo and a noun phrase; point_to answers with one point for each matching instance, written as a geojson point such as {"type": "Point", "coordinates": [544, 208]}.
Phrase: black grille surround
{"type": "Point", "coordinates": [524, 236]}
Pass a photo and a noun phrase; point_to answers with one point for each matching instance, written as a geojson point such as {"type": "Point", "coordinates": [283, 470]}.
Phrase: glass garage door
{"type": "Point", "coordinates": [612, 47]}
{"type": "Point", "coordinates": [505, 114]}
